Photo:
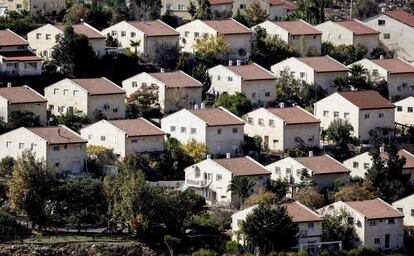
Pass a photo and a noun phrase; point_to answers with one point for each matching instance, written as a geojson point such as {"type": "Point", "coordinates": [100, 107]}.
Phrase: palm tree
{"type": "Point", "coordinates": [135, 44]}
{"type": "Point", "coordinates": [356, 78]}
{"type": "Point", "coordinates": [241, 186]}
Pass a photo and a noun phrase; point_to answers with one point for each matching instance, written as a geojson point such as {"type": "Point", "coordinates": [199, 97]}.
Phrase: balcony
{"type": "Point", "coordinates": [196, 183]}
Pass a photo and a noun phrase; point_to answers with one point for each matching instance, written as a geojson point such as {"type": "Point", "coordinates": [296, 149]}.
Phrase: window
{"type": "Point", "coordinates": [134, 84]}
{"type": "Point", "coordinates": [329, 35]}
{"type": "Point", "coordinates": [229, 78]}
{"type": "Point", "coordinates": [197, 173]}
{"type": "Point", "coordinates": [387, 36]}
{"type": "Point", "coordinates": [172, 128]}
{"type": "Point", "coordinates": [236, 130]}
{"type": "Point", "coordinates": [187, 33]}
{"type": "Point", "coordinates": [372, 223]}
{"type": "Point", "coordinates": [48, 36]}
{"type": "Point", "coordinates": [377, 240]}
{"type": "Point", "coordinates": [57, 164]}
{"type": "Point", "coordinates": [21, 145]}
{"type": "Point", "coordinates": [253, 94]}
{"type": "Point", "coordinates": [346, 115]}
{"type": "Point", "coordinates": [277, 170]}
{"type": "Point", "coordinates": [219, 177]}
{"type": "Point", "coordinates": [250, 120]}
{"type": "Point", "coordinates": [134, 141]}
{"type": "Point", "coordinates": [193, 130]}
{"type": "Point", "coordinates": [115, 110]}
{"type": "Point", "coordinates": [183, 129]}
{"type": "Point", "coordinates": [288, 171]}
{"type": "Point", "coordinates": [133, 34]}
{"type": "Point", "coordinates": [196, 34]}
{"type": "Point", "coordinates": [400, 209]}
{"type": "Point", "coordinates": [381, 22]}
{"type": "Point", "coordinates": [311, 225]}
{"type": "Point", "coordinates": [271, 122]}
{"type": "Point", "coordinates": [123, 33]}
{"type": "Point", "coordinates": [181, 7]}
{"type": "Point", "coordinates": [391, 221]}
{"type": "Point", "coordinates": [380, 115]}
{"type": "Point", "coordinates": [399, 108]}
{"type": "Point", "coordinates": [410, 109]}
{"type": "Point", "coordinates": [219, 131]}
{"type": "Point", "coordinates": [366, 116]}
{"type": "Point", "coordinates": [55, 91]}
{"type": "Point", "coordinates": [339, 36]}
{"type": "Point", "coordinates": [65, 91]}
{"type": "Point", "coordinates": [336, 114]}
{"type": "Point", "coordinates": [261, 121]}
{"type": "Point", "coordinates": [33, 147]}
{"type": "Point", "coordinates": [366, 166]}
{"type": "Point", "coordinates": [302, 74]}
{"type": "Point", "coordinates": [38, 36]}
{"type": "Point", "coordinates": [56, 148]}
{"type": "Point", "coordinates": [355, 164]}
{"type": "Point", "coordinates": [412, 212]}
{"type": "Point", "coordinates": [103, 138]}
{"type": "Point", "coordinates": [242, 6]}
{"type": "Point", "coordinates": [326, 113]}
{"type": "Point", "coordinates": [8, 144]}
{"type": "Point", "coordinates": [75, 92]}
{"type": "Point", "coordinates": [267, 94]}
{"type": "Point", "coordinates": [375, 72]}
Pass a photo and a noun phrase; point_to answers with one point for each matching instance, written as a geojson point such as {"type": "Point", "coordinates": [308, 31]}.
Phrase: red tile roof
{"type": "Point", "coordinates": [217, 117]}
{"type": "Point", "coordinates": [301, 213]}
{"type": "Point", "coordinates": [409, 163]}
{"type": "Point", "coordinates": [401, 16]}
{"type": "Point", "coordinates": [290, 6]}
{"type": "Point", "coordinates": [137, 127]}
{"type": "Point", "coordinates": [176, 79]}
{"type": "Point", "coordinates": [154, 28]}
{"type": "Point", "coordinates": [20, 56]}
{"type": "Point", "coordinates": [367, 99]}
{"type": "Point", "coordinates": [298, 27]}
{"type": "Point", "coordinates": [98, 86]}
{"type": "Point", "coordinates": [323, 64]}
{"type": "Point", "coordinates": [294, 115]}
{"type": "Point", "coordinates": [358, 27]}
{"type": "Point", "coordinates": [228, 27]}
{"type": "Point", "coordinates": [218, 2]}
{"type": "Point", "coordinates": [252, 72]}
{"type": "Point", "coordinates": [394, 66]}
{"type": "Point", "coordinates": [322, 164]}
{"type": "Point", "coordinates": [57, 135]}
{"type": "Point", "coordinates": [9, 38]}
{"type": "Point", "coordinates": [84, 29]}
{"type": "Point", "coordinates": [22, 94]}
{"type": "Point", "coordinates": [242, 166]}
{"type": "Point", "coordinates": [375, 209]}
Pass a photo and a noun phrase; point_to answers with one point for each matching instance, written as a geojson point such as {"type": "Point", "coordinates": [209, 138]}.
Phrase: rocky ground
{"type": "Point", "coordinates": [75, 249]}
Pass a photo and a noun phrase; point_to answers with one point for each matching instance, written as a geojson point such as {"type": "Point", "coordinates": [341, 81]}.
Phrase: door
{"type": "Point", "coordinates": [76, 166]}
{"type": "Point", "coordinates": [387, 241]}
{"type": "Point", "coordinates": [266, 142]}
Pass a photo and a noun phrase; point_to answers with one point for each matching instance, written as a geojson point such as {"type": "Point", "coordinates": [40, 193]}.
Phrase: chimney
{"type": "Point", "coordinates": [162, 70]}
{"type": "Point", "coordinates": [82, 20]}
{"type": "Point", "coordinates": [9, 84]}
{"type": "Point", "coordinates": [195, 106]}
{"type": "Point", "coordinates": [58, 132]}
{"type": "Point", "coordinates": [281, 104]}
{"type": "Point", "coordinates": [238, 62]}
{"type": "Point", "coordinates": [381, 57]}
{"type": "Point", "coordinates": [228, 155]}
{"type": "Point", "coordinates": [208, 156]}
{"type": "Point", "coordinates": [203, 105]}
{"type": "Point", "coordinates": [230, 63]}
{"type": "Point", "coordinates": [383, 9]}
{"type": "Point", "coordinates": [382, 148]}
{"type": "Point", "coordinates": [310, 153]}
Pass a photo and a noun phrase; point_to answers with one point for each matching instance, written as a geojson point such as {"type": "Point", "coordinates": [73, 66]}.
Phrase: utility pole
{"type": "Point", "coordinates": [350, 10]}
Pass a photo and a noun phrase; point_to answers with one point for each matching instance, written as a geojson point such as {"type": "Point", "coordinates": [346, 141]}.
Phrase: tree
{"type": "Point", "coordinates": [356, 192]}
{"type": "Point", "coordinates": [339, 131]}
{"type": "Point", "coordinates": [237, 103]}
{"type": "Point", "coordinates": [341, 84]}
{"type": "Point", "coordinates": [31, 187]}
{"type": "Point", "coordinates": [135, 44]}
{"type": "Point", "coordinates": [74, 122]}
{"type": "Point", "coordinates": [98, 157]}
{"type": "Point", "coordinates": [110, 41]}
{"type": "Point", "coordinates": [255, 14]}
{"type": "Point", "coordinates": [345, 54]}
{"type": "Point", "coordinates": [270, 228]}
{"type": "Point", "coordinates": [260, 197]}
{"type": "Point", "coordinates": [165, 55]}
{"type": "Point", "coordinates": [197, 151]}
{"type": "Point", "coordinates": [364, 9]}
{"type": "Point", "coordinates": [335, 227]}
{"type": "Point", "coordinates": [143, 100]}
{"type": "Point", "coordinates": [22, 118]}
{"type": "Point", "coordinates": [211, 45]}
{"type": "Point", "coordinates": [356, 78]}
{"type": "Point", "coordinates": [97, 16]}
{"type": "Point", "coordinates": [309, 196]}
{"type": "Point", "coordinates": [175, 160]}
{"type": "Point", "coordinates": [74, 55]}
{"type": "Point", "coordinates": [75, 14]}
{"type": "Point", "coordinates": [279, 187]}
{"type": "Point", "coordinates": [200, 10]}
{"type": "Point", "coordinates": [241, 186]}
{"type": "Point", "coordinates": [6, 166]}
{"type": "Point", "coordinates": [120, 11]}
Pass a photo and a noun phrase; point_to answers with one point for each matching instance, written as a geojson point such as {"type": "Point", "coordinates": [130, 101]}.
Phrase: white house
{"type": "Point", "coordinates": [283, 128]}
{"type": "Point", "coordinates": [38, 7]}
{"type": "Point", "coordinates": [406, 206]}
{"type": "Point", "coordinates": [256, 82]}
{"type": "Point", "coordinates": [377, 223]}
{"type": "Point", "coordinates": [360, 164]}
{"type": "Point", "coordinates": [15, 57]}
{"type": "Point", "coordinates": [43, 39]}
{"type": "Point", "coordinates": [398, 74]}
{"type": "Point", "coordinates": [179, 8]}
{"type": "Point", "coordinates": [396, 28]}
{"type": "Point", "coordinates": [59, 146]}
{"type": "Point", "coordinates": [22, 98]}
{"type": "Point", "coordinates": [125, 137]}
{"type": "Point", "coordinates": [349, 32]}
{"type": "Point", "coordinates": [234, 33]}
{"type": "Point", "coordinates": [299, 34]}
{"type": "Point", "coordinates": [276, 9]}
{"type": "Point", "coordinates": [219, 129]}
{"type": "Point", "coordinates": [212, 177]}
{"type": "Point", "coordinates": [151, 35]}
{"type": "Point", "coordinates": [309, 223]}
{"type": "Point", "coordinates": [404, 113]}
{"type": "Point", "coordinates": [176, 89]}
{"type": "Point", "coordinates": [323, 170]}
{"type": "Point", "coordinates": [320, 70]}
{"type": "Point", "coordinates": [85, 97]}
{"type": "Point", "coordinates": [364, 110]}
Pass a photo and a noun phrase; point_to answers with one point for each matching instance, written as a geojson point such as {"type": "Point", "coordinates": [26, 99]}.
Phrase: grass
{"type": "Point", "coordinates": [39, 239]}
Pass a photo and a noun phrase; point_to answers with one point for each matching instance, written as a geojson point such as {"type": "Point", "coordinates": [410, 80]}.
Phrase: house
{"type": "Point", "coordinates": [322, 170]}
{"type": "Point", "coordinates": [256, 82]}
{"type": "Point", "coordinates": [234, 33]}
{"type": "Point", "coordinates": [349, 32]}
{"type": "Point", "coordinates": [360, 164]}
{"type": "Point", "coordinates": [406, 206]}
{"type": "Point", "coordinates": [22, 98]}
{"type": "Point", "coordinates": [151, 35]}
{"type": "Point", "coordinates": [364, 110]}
{"type": "Point", "coordinates": [309, 223]}
{"type": "Point", "coordinates": [86, 96]}
{"type": "Point", "coordinates": [219, 129]}
{"type": "Point", "coordinates": [283, 128]}
{"type": "Point", "coordinates": [298, 34]}
{"type": "Point", "coordinates": [179, 8]}
{"type": "Point", "coordinates": [39, 7]}
{"type": "Point", "coordinates": [43, 39]}
{"type": "Point", "coordinates": [396, 28]}
{"type": "Point", "coordinates": [126, 137]}
{"type": "Point", "coordinates": [59, 146]}
{"type": "Point", "coordinates": [15, 57]}
{"type": "Point", "coordinates": [320, 70]}
{"type": "Point", "coordinates": [276, 9]}
{"type": "Point", "coordinates": [212, 177]}
{"type": "Point", "coordinates": [377, 224]}
{"type": "Point", "coordinates": [404, 113]}
{"type": "Point", "coordinates": [398, 74]}
{"type": "Point", "coordinates": [176, 89]}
